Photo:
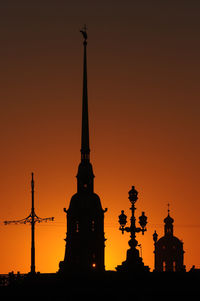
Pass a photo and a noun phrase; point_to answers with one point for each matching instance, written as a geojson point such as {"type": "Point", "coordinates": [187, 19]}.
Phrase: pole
{"type": "Point", "coordinates": [31, 219]}
{"type": "Point", "coordinates": [133, 242]}
{"type": "Point", "coordinates": [32, 229]}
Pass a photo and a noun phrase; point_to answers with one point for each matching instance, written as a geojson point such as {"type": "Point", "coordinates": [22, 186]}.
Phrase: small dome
{"type": "Point", "coordinates": [168, 220]}
{"type": "Point", "coordinates": [169, 241]}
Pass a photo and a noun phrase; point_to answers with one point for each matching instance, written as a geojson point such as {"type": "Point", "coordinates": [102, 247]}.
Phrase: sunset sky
{"type": "Point", "coordinates": [144, 106]}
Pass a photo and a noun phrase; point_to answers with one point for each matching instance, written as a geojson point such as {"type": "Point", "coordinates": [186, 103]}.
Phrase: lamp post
{"type": "Point", "coordinates": [31, 219]}
{"type": "Point", "coordinates": [133, 196]}
{"type": "Point", "coordinates": [133, 261]}
{"type": "Point", "coordinates": [155, 239]}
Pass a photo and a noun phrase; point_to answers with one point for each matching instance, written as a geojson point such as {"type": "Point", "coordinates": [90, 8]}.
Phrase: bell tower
{"type": "Point", "coordinates": [85, 242]}
{"type": "Point", "coordinates": [168, 252]}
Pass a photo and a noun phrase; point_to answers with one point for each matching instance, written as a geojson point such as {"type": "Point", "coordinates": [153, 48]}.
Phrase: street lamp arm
{"type": "Point", "coordinates": [21, 221]}
{"type": "Point", "coordinates": [127, 229]}
{"type": "Point", "coordinates": [143, 230]}
{"type": "Point", "coordinates": [138, 230]}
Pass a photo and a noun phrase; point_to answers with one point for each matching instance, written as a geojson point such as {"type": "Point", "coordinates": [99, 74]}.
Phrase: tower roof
{"type": "Point", "coordinates": [82, 203]}
{"type": "Point", "coordinates": [168, 220]}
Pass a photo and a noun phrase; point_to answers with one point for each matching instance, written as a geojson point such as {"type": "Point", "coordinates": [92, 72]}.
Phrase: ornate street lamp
{"type": "Point", "coordinates": [133, 258]}
{"type": "Point", "coordinates": [133, 196]}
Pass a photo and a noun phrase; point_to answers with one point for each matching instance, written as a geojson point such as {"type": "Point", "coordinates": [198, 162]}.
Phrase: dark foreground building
{"type": "Point", "coordinates": [104, 286]}
{"type": "Point", "coordinates": [85, 217]}
{"type": "Point", "coordinates": [168, 251]}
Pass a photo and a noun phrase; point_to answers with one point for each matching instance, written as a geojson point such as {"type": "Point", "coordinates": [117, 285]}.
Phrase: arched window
{"type": "Point", "coordinates": [164, 266]}
{"type": "Point", "coordinates": [93, 260]}
{"type": "Point", "coordinates": [93, 226]}
{"type": "Point", "coordinates": [77, 226]}
{"type": "Point", "coordinates": [174, 266]}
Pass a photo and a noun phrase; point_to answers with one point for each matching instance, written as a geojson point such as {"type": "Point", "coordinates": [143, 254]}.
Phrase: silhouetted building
{"type": "Point", "coordinates": [85, 217]}
{"type": "Point", "coordinates": [168, 249]}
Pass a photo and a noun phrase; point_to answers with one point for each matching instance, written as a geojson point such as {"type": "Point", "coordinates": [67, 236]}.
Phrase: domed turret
{"type": "Point", "coordinates": [168, 249]}
{"type": "Point", "coordinates": [169, 224]}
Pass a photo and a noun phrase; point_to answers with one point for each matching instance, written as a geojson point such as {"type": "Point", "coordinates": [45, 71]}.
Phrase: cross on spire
{"type": "Point", "coordinates": [168, 205]}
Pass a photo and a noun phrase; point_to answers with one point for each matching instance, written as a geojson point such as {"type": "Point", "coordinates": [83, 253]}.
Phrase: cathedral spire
{"type": "Point", "coordinates": [85, 174]}
{"type": "Point", "coordinates": [85, 239]}
{"type": "Point", "coordinates": [85, 148]}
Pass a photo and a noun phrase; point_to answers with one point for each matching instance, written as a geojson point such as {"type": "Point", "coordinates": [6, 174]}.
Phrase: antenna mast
{"type": "Point", "coordinates": [31, 219]}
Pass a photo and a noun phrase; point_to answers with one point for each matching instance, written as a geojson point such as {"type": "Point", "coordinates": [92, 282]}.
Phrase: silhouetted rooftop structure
{"type": "Point", "coordinates": [85, 239]}
{"type": "Point", "coordinates": [168, 251]}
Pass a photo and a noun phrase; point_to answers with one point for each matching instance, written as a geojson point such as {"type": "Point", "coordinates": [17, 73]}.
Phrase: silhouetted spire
{"type": "Point", "coordinates": [85, 239]}
{"type": "Point", "coordinates": [85, 148]}
{"type": "Point", "coordinates": [85, 174]}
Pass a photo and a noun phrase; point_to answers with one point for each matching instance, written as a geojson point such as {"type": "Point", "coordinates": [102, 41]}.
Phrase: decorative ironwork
{"type": "Point", "coordinates": [133, 196]}
{"type": "Point", "coordinates": [32, 219]}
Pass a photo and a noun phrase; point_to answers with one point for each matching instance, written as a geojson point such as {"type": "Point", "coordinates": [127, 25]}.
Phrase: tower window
{"type": "Point", "coordinates": [169, 230]}
{"type": "Point", "coordinates": [174, 266]}
{"type": "Point", "coordinates": [85, 185]}
{"type": "Point", "coordinates": [77, 227]}
{"type": "Point", "coordinates": [93, 226]}
{"type": "Point", "coordinates": [164, 266]}
{"type": "Point", "coordinates": [93, 261]}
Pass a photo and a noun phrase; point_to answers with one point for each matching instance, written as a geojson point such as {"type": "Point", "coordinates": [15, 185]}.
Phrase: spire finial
{"type": "Point", "coordinates": [168, 210]}
{"type": "Point", "coordinates": [84, 33]}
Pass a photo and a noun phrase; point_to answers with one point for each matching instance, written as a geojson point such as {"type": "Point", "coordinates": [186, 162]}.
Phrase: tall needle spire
{"type": "Point", "coordinates": [85, 240]}
{"type": "Point", "coordinates": [85, 147]}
